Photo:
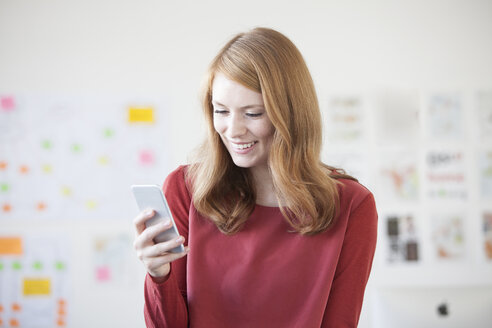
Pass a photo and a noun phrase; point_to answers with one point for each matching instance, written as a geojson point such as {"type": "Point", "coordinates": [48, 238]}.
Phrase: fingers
{"type": "Point", "coordinates": [140, 219]}
{"type": "Point", "coordinates": [155, 262]}
{"type": "Point", "coordinates": [163, 248]}
{"type": "Point", "coordinates": [148, 235]}
{"type": "Point", "coordinates": [155, 257]}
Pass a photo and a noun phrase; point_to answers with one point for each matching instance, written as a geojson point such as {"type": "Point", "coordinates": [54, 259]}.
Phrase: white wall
{"type": "Point", "coordinates": [163, 47]}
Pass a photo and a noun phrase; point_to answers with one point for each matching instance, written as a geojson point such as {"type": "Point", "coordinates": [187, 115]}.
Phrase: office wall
{"type": "Point", "coordinates": [155, 53]}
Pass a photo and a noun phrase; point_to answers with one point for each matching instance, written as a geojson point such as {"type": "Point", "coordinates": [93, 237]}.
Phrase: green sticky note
{"type": "Point", "coordinates": [76, 148]}
{"type": "Point", "coordinates": [46, 144]}
{"type": "Point", "coordinates": [108, 132]}
{"type": "Point", "coordinates": [59, 265]}
{"type": "Point", "coordinates": [37, 265]}
{"type": "Point", "coordinates": [4, 187]}
{"type": "Point", "coordinates": [1, 266]}
{"type": "Point", "coordinates": [16, 265]}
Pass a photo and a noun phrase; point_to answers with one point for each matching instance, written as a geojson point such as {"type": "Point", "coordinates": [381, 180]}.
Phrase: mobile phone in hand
{"type": "Point", "coordinates": [151, 196]}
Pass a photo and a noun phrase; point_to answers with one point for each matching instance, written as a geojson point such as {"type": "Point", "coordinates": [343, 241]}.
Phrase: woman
{"type": "Point", "coordinates": [276, 238]}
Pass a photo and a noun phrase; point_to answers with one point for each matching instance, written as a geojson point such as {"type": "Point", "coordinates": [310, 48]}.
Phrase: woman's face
{"type": "Point", "coordinates": [242, 122]}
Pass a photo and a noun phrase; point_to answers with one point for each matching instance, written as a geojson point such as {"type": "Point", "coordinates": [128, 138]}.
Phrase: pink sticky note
{"type": "Point", "coordinates": [7, 103]}
{"type": "Point", "coordinates": [146, 157]}
{"type": "Point", "coordinates": [103, 273]}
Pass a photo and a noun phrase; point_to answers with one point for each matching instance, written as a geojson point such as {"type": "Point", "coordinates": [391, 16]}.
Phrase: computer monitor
{"type": "Point", "coordinates": [432, 307]}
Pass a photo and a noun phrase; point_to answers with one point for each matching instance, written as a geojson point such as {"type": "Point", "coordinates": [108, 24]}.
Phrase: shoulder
{"type": "Point", "coordinates": [352, 194]}
{"type": "Point", "coordinates": [177, 174]}
{"type": "Point", "coordinates": [176, 180]}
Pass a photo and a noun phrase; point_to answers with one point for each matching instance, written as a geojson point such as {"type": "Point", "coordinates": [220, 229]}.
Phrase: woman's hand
{"type": "Point", "coordinates": [155, 257]}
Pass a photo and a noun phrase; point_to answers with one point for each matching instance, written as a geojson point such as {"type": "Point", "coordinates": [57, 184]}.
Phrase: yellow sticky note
{"type": "Point", "coordinates": [141, 114]}
{"type": "Point", "coordinates": [10, 246]}
{"type": "Point", "coordinates": [37, 287]}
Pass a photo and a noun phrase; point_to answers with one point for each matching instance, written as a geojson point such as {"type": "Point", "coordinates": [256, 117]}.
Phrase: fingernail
{"type": "Point", "coordinates": [167, 223]}
{"type": "Point", "coordinates": [180, 239]}
{"type": "Point", "coordinates": [149, 212]}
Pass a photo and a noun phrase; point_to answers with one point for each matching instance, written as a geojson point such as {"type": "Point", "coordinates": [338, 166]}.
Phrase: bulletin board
{"type": "Point", "coordinates": [70, 161]}
{"type": "Point", "coordinates": [427, 156]}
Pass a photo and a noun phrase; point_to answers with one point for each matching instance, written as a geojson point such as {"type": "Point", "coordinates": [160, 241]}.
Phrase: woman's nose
{"type": "Point", "coordinates": [236, 126]}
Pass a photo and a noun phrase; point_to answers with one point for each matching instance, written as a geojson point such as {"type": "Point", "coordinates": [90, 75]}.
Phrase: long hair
{"type": "Point", "coordinates": [267, 62]}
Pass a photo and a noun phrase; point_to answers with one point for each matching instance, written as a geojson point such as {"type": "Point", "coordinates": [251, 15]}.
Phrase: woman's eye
{"type": "Point", "coordinates": [254, 114]}
{"type": "Point", "coordinates": [220, 111]}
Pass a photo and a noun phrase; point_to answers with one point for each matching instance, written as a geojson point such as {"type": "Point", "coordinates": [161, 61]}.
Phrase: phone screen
{"type": "Point", "coordinates": [151, 196]}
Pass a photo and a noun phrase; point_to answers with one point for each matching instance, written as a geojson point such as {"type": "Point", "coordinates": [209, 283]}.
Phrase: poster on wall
{"type": "Point", "coordinates": [484, 114]}
{"type": "Point", "coordinates": [397, 118]}
{"type": "Point", "coordinates": [113, 259]}
{"type": "Point", "coordinates": [446, 178]}
{"type": "Point", "coordinates": [403, 239]}
{"type": "Point", "coordinates": [398, 177]}
{"type": "Point", "coordinates": [344, 121]}
{"type": "Point", "coordinates": [487, 234]}
{"type": "Point", "coordinates": [34, 280]}
{"type": "Point", "coordinates": [485, 173]}
{"type": "Point", "coordinates": [445, 117]}
{"type": "Point", "coordinates": [76, 157]}
{"type": "Point", "coordinates": [448, 236]}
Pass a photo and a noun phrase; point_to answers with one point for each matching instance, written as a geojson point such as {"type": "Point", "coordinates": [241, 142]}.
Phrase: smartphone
{"type": "Point", "coordinates": [151, 196]}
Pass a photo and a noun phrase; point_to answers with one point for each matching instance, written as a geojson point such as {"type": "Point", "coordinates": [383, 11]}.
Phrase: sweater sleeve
{"type": "Point", "coordinates": [166, 302]}
{"type": "Point", "coordinates": [353, 268]}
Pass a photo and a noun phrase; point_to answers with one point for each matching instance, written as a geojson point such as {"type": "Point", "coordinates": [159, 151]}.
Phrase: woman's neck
{"type": "Point", "coordinates": [265, 193]}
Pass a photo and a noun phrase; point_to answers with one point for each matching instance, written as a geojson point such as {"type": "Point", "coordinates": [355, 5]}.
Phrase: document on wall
{"type": "Point", "coordinates": [34, 280]}
{"type": "Point", "coordinates": [74, 157]}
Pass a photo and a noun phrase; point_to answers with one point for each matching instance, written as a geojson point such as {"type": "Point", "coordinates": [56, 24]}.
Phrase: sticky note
{"type": "Point", "coordinates": [66, 191]}
{"type": "Point", "coordinates": [103, 160]}
{"type": "Point", "coordinates": [4, 187]}
{"type": "Point", "coordinates": [59, 265]}
{"type": "Point", "coordinates": [76, 148]}
{"type": "Point", "coordinates": [146, 157]}
{"type": "Point", "coordinates": [24, 169]}
{"type": "Point", "coordinates": [41, 206]}
{"type": "Point", "coordinates": [16, 266]}
{"type": "Point", "coordinates": [7, 103]}
{"type": "Point", "coordinates": [10, 246]}
{"type": "Point", "coordinates": [108, 132]}
{"type": "Point", "coordinates": [47, 168]}
{"type": "Point", "coordinates": [6, 207]}
{"type": "Point", "coordinates": [3, 165]}
{"type": "Point", "coordinates": [37, 265]}
{"type": "Point", "coordinates": [91, 204]}
{"type": "Point", "coordinates": [103, 273]}
{"type": "Point", "coordinates": [141, 114]}
{"type": "Point", "coordinates": [46, 144]}
{"type": "Point", "coordinates": [32, 287]}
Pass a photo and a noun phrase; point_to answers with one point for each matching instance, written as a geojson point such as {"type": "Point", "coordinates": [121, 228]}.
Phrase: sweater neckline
{"type": "Point", "coordinates": [267, 207]}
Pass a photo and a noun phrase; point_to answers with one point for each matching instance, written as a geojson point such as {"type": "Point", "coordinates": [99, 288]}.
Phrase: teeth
{"type": "Point", "coordinates": [242, 146]}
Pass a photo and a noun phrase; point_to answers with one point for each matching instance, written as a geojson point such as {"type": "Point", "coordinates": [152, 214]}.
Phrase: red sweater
{"type": "Point", "coordinates": [264, 275]}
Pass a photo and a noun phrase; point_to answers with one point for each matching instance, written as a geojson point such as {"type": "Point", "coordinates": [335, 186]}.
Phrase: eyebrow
{"type": "Point", "coordinates": [243, 107]}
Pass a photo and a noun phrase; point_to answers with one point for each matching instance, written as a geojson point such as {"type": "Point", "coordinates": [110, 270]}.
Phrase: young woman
{"type": "Point", "coordinates": [276, 238]}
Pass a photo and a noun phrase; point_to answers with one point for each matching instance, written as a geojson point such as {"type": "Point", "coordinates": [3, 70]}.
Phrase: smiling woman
{"type": "Point", "coordinates": [275, 237]}
{"type": "Point", "coordinates": [242, 123]}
